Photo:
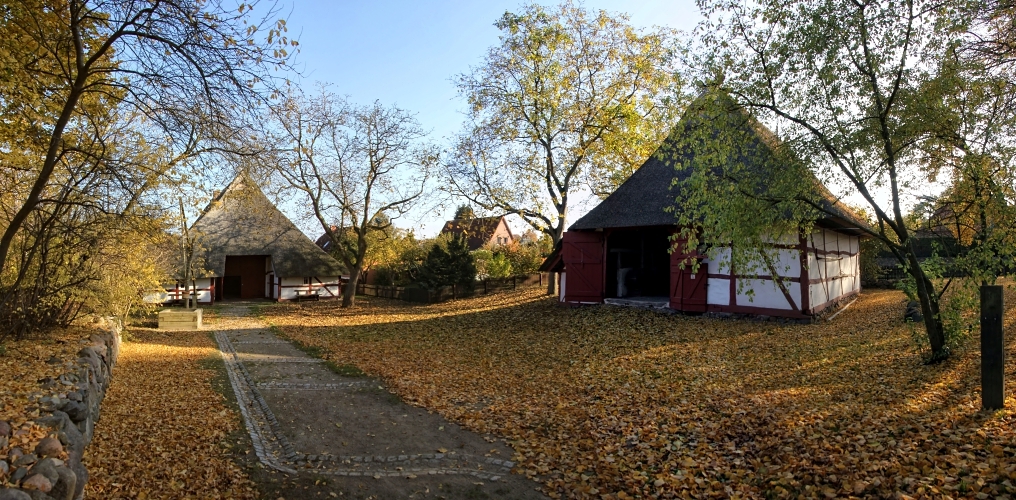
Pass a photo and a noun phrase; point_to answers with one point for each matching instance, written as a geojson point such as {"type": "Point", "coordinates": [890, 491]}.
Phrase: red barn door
{"type": "Point", "coordinates": [582, 253]}
{"type": "Point", "coordinates": [687, 287]}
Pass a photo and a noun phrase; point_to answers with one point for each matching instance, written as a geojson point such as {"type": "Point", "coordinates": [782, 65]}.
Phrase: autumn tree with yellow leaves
{"type": "Point", "coordinates": [103, 101]}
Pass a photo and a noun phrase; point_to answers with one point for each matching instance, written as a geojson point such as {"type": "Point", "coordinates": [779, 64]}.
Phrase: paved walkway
{"type": "Point", "coordinates": [305, 419]}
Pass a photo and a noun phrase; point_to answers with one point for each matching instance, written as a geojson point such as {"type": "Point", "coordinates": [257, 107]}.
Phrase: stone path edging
{"type": "Point", "coordinates": [274, 450]}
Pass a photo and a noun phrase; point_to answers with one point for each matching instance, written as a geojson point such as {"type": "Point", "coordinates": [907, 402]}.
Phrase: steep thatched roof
{"type": "Point", "coordinates": [242, 221]}
{"type": "Point", "coordinates": [643, 199]}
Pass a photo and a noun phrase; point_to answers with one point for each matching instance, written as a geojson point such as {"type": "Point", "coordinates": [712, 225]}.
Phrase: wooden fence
{"type": "Point", "coordinates": [425, 296]}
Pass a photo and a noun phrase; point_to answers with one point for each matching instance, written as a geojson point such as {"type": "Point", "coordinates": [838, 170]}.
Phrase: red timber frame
{"type": "Point", "coordinates": [584, 255]}
{"type": "Point", "coordinates": [803, 310]}
{"type": "Point", "coordinates": [177, 293]}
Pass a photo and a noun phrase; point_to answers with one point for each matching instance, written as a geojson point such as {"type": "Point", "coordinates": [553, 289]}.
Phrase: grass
{"type": "Point", "coordinates": [621, 402]}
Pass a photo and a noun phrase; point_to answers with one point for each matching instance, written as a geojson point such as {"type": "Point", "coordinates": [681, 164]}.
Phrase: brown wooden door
{"type": "Point", "coordinates": [582, 253]}
{"type": "Point", "coordinates": [687, 288]}
{"type": "Point", "coordinates": [694, 289]}
{"type": "Point", "coordinates": [250, 271]}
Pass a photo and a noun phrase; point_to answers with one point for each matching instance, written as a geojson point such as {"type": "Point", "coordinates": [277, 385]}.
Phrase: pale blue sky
{"type": "Point", "coordinates": [406, 53]}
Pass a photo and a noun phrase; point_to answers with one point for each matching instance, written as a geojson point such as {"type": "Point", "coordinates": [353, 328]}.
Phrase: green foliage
{"type": "Point", "coordinates": [569, 97]}
{"type": "Point", "coordinates": [499, 266]}
{"type": "Point", "coordinates": [464, 212]}
{"type": "Point", "coordinates": [448, 263]}
{"type": "Point", "coordinates": [736, 183]}
{"type": "Point", "coordinates": [878, 97]}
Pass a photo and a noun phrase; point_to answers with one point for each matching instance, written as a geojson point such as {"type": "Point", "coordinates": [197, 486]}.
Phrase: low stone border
{"type": "Point", "coordinates": [274, 450]}
{"type": "Point", "coordinates": [311, 387]}
{"type": "Point", "coordinates": [281, 359]}
{"type": "Point", "coordinates": [71, 411]}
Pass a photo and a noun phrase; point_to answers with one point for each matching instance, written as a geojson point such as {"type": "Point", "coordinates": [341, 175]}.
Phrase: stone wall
{"type": "Point", "coordinates": [69, 405]}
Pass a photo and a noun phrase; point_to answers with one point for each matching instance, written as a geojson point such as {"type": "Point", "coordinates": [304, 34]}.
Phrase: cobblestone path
{"type": "Point", "coordinates": [305, 419]}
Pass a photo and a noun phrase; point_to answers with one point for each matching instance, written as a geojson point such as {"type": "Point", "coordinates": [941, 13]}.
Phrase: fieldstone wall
{"type": "Point", "coordinates": [69, 405]}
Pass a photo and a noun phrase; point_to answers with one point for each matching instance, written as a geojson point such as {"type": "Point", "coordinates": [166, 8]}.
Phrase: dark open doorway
{"type": "Point", "coordinates": [638, 263]}
{"type": "Point", "coordinates": [244, 277]}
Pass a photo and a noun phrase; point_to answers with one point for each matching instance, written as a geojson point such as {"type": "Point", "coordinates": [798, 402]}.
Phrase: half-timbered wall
{"type": "Point", "coordinates": [828, 272]}
{"type": "Point", "coordinates": [327, 287]}
{"type": "Point", "coordinates": [177, 292]}
{"type": "Point", "coordinates": [833, 267]}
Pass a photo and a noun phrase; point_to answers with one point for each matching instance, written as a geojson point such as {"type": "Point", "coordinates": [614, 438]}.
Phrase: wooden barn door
{"type": "Point", "coordinates": [687, 288]}
{"type": "Point", "coordinates": [245, 276]}
{"type": "Point", "coordinates": [582, 253]}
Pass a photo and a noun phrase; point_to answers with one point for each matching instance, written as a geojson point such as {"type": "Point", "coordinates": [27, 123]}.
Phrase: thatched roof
{"type": "Point", "coordinates": [643, 199]}
{"type": "Point", "coordinates": [242, 221]}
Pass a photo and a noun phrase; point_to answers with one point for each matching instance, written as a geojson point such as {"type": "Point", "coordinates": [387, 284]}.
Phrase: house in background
{"type": "Point", "coordinates": [619, 253]}
{"type": "Point", "coordinates": [253, 251]}
{"type": "Point", "coordinates": [480, 231]}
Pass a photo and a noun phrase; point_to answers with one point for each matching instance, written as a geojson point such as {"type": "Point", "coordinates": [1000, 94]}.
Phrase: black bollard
{"type": "Point", "coordinates": [992, 349]}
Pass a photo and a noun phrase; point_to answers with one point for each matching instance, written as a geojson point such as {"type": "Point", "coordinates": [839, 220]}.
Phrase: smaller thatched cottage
{"type": "Point", "coordinates": [252, 251]}
{"type": "Point", "coordinates": [619, 253]}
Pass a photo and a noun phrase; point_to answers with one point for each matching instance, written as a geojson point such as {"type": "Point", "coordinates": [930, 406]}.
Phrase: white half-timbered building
{"type": "Point", "coordinates": [619, 253]}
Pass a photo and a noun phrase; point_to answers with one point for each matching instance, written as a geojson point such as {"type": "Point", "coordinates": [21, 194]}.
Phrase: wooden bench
{"type": "Point", "coordinates": [307, 295]}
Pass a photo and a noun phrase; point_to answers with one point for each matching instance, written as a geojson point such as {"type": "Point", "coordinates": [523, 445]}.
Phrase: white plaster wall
{"type": "Point", "coordinates": [719, 261]}
{"type": "Point", "coordinates": [329, 283]}
{"type": "Point", "coordinates": [718, 292]}
{"type": "Point", "coordinates": [842, 272]}
{"type": "Point", "coordinates": [767, 294]}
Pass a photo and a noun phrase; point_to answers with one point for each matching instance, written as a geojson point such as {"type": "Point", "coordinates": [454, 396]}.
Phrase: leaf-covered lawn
{"type": "Point", "coordinates": [612, 403]}
{"type": "Point", "coordinates": [163, 425]}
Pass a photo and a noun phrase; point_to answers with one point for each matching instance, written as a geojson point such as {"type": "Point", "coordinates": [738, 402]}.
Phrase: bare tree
{"type": "Point", "coordinates": [358, 167]}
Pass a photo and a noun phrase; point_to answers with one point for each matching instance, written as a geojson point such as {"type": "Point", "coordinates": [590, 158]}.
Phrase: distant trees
{"type": "Point", "coordinates": [100, 101]}
{"type": "Point", "coordinates": [357, 168]}
{"type": "Point", "coordinates": [569, 99]}
{"type": "Point", "coordinates": [464, 212]}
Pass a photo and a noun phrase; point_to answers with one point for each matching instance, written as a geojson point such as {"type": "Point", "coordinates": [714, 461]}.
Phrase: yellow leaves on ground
{"type": "Point", "coordinates": [163, 427]}
{"type": "Point", "coordinates": [604, 402]}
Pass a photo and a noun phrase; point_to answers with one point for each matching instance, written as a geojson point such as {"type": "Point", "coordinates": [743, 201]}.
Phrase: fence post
{"type": "Point", "coordinates": [513, 282]}
{"type": "Point", "coordinates": [992, 349]}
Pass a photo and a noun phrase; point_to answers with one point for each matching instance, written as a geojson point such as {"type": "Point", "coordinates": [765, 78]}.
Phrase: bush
{"type": "Point", "coordinates": [448, 262]}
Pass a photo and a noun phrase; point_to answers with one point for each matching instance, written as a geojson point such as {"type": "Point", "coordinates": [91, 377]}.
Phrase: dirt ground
{"type": "Point", "coordinates": [328, 431]}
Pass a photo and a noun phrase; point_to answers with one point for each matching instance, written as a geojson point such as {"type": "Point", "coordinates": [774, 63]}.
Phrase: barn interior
{"type": "Point", "coordinates": [638, 263]}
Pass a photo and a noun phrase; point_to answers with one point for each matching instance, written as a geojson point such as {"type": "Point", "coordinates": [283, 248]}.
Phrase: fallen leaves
{"type": "Point", "coordinates": [25, 367]}
{"type": "Point", "coordinates": [604, 402]}
{"type": "Point", "coordinates": [163, 427]}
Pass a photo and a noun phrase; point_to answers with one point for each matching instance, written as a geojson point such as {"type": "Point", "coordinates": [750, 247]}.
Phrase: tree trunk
{"type": "Point", "coordinates": [551, 283]}
{"type": "Point", "coordinates": [350, 293]}
{"type": "Point", "coordinates": [930, 310]}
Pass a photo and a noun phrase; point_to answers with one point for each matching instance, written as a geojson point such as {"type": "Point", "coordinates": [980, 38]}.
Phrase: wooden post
{"type": "Point", "coordinates": [992, 349]}
{"type": "Point", "coordinates": [513, 282]}
{"type": "Point", "coordinates": [485, 287]}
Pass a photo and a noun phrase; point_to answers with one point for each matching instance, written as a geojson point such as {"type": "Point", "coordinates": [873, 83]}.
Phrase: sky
{"type": "Point", "coordinates": [407, 52]}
